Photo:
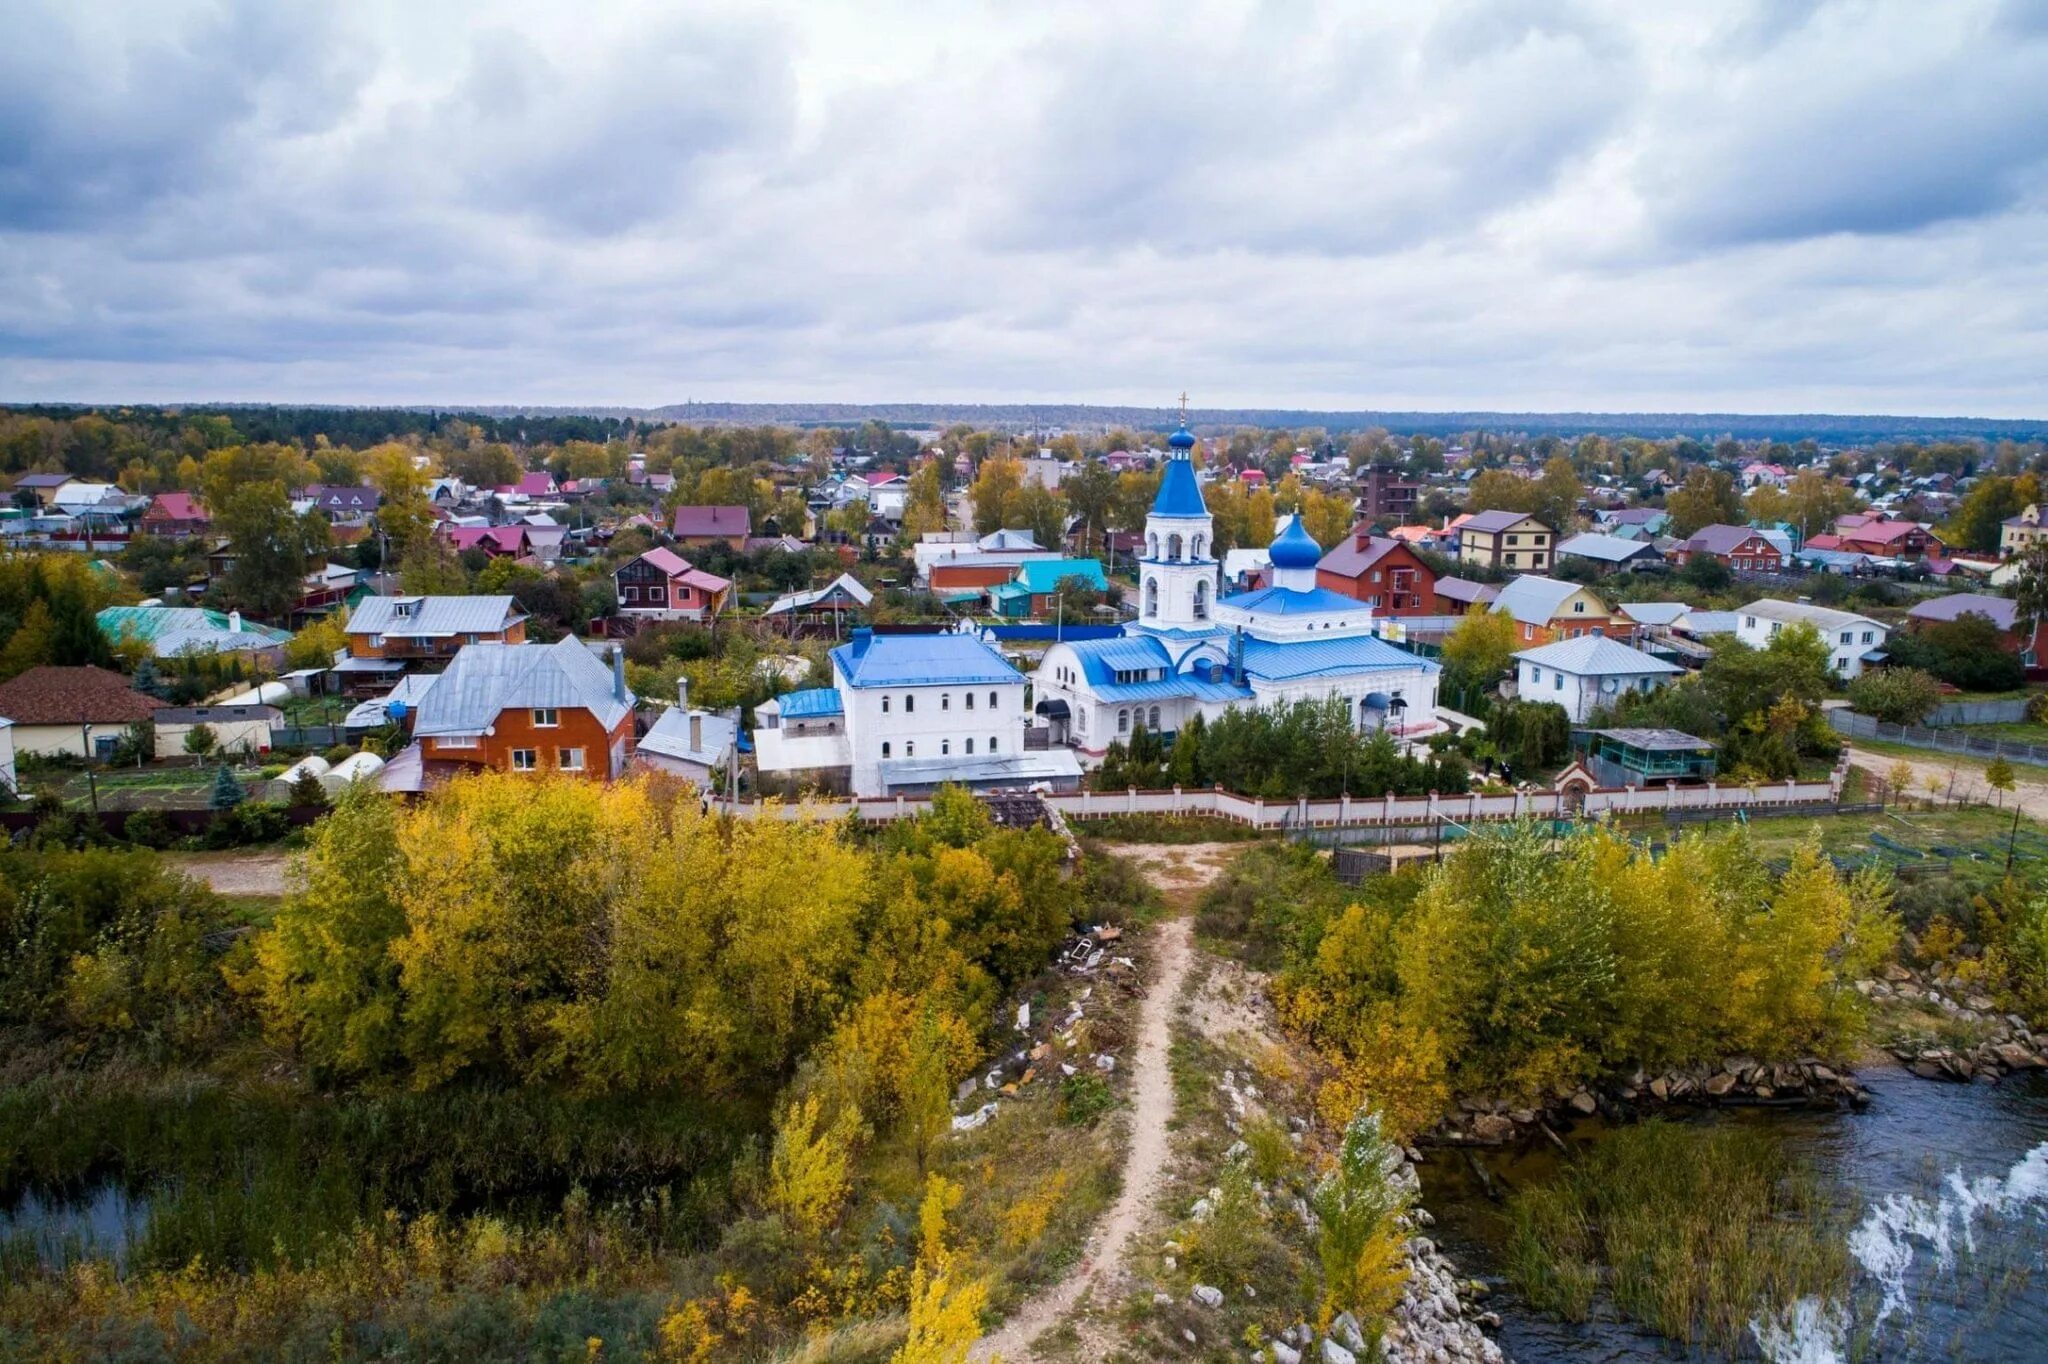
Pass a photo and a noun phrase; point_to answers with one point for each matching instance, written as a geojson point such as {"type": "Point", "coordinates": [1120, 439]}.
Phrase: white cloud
{"type": "Point", "coordinates": [1792, 206]}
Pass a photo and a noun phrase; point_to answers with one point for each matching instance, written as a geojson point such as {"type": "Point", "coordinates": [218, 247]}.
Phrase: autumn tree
{"type": "Point", "coordinates": [993, 491]}
{"type": "Point", "coordinates": [1708, 497]}
{"type": "Point", "coordinates": [1477, 653]}
{"type": "Point", "coordinates": [924, 505]}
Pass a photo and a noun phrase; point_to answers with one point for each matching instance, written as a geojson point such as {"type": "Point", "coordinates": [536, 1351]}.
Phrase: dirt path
{"type": "Point", "coordinates": [1180, 872]}
{"type": "Point", "coordinates": [1964, 774]}
{"type": "Point", "coordinates": [234, 873]}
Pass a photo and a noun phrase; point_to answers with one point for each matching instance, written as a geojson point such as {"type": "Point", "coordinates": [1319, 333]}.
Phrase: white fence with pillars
{"type": "Point", "coordinates": [1360, 811]}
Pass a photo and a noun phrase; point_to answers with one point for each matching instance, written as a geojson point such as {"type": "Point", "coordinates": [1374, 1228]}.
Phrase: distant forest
{"type": "Point", "coordinates": [360, 426]}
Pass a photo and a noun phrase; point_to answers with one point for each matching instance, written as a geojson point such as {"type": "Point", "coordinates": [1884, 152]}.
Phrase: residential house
{"type": "Point", "coordinates": [1882, 539]}
{"type": "Point", "coordinates": [663, 585]}
{"type": "Point", "coordinates": [696, 745]}
{"type": "Point", "coordinates": [1641, 757]}
{"type": "Point", "coordinates": [175, 516]}
{"type": "Point", "coordinates": [698, 527]}
{"type": "Point", "coordinates": [1381, 571]}
{"type": "Point", "coordinates": [1742, 548]}
{"type": "Point", "coordinates": [1585, 673]}
{"type": "Point", "coordinates": [534, 483]}
{"type": "Point", "coordinates": [843, 596]}
{"type": "Point", "coordinates": [530, 708]}
{"type": "Point", "coordinates": [2017, 534]}
{"type": "Point", "coordinates": [389, 635]}
{"type": "Point", "coordinates": [1459, 596]}
{"type": "Point", "coordinates": [2028, 638]}
{"type": "Point", "coordinates": [1512, 540]}
{"type": "Point", "coordinates": [1853, 641]}
{"type": "Point", "coordinates": [1384, 495]}
{"type": "Point", "coordinates": [241, 730]}
{"type": "Point", "coordinates": [81, 712]}
{"type": "Point", "coordinates": [1545, 610]}
{"type": "Point", "coordinates": [1635, 523]}
{"type": "Point", "coordinates": [1608, 552]}
{"type": "Point", "coordinates": [41, 489]}
{"type": "Point", "coordinates": [1035, 589]}
{"type": "Point", "coordinates": [188, 631]}
{"type": "Point", "coordinates": [343, 505]}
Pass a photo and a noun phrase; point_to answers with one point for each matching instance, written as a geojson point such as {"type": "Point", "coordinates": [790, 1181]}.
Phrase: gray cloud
{"type": "Point", "coordinates": [1496, 203]}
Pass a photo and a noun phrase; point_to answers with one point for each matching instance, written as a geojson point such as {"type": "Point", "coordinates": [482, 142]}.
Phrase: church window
{"type": "Point", "coordinates": [970, 748]}
{"type": "Point", "coordinates": [992, 700]}
{"type": "Point", "coordinates": [1152, 721]}
{"type": "Point", "coordinates": [970, 700]}
{"type": "Point", "coordinates": [1201, 601]}
{"type": "Point", "coordinates": [1123, 722]}
{"type": "Point", "coordinates": [1151, 596]}
{"type": "Point", "coordinates": [1173, 546]}
{"type": "Point", "coordinates": [909, 703]}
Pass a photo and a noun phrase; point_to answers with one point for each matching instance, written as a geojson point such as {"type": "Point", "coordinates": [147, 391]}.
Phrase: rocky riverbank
{"type": "Point", "coordinates": [1942, 1028]}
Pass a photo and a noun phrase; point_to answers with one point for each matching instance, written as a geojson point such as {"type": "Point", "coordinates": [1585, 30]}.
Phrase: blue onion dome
{"type": "Point", "coordinates": [1182, 439]}
{"type": "Point", "coordinates": [1295, 547]}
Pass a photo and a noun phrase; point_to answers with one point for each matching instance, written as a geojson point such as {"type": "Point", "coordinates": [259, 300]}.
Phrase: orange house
{"type": "Point", "coordinates": [530, 708]}
{"type": "Point", "coordinates": [431, 629]}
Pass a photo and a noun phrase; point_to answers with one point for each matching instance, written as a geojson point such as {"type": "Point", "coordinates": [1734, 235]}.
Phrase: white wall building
{"type": "Point", "coordinates": [1853, 641]}
{"type": "Point", "coordinates": [1587, 673]}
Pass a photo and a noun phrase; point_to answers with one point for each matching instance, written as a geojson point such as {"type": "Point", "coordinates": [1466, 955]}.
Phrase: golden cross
{"type": "Point", "coordinates": [1183, 407]}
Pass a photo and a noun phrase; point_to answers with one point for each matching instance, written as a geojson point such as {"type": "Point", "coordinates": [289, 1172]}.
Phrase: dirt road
{"type": "Point", "coordinates": [235, 873]}
{"type": "Point", "coordinates": [1960, 777]}
{"type": "Point", "coordinates": [1180, 872]}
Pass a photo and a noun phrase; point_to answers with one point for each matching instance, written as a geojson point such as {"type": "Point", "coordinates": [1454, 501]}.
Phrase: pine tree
{"type": "Point", "coordinates": [227, 792]}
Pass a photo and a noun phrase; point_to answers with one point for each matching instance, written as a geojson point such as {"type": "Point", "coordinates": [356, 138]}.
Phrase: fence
{"type": "Point", "coordinates": [2009, 712]}
{"type": "Point", "coordinates": [1937, 740]}
{"type": "Point", "coordinates": [1363, 812]}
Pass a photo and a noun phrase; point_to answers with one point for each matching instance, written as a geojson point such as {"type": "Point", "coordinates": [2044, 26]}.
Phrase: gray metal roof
{"type": "Point", "coordinates": [1655, 740]}
{"type": "Point", "coordinates": [487, 679]}
{"type": "Point", "coordinates": [435, 616]}
{"type": "Point", "coordinates": [670, 736]}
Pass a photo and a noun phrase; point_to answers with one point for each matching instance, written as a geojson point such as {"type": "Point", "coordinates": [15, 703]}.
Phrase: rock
{"type": "Point", "coordinates": [1926, 1070]}
{"type": "Point", "coordinates": [1171, 1264]}
{"type": "Point", "coordinates": [1583, 1102]}
{"type": "Point", "coordinates": [1895, 973]}
{"type": "Point", "coordinates": [1822, 1074]}
{"type": "Point", "coordinates": [1660, 1088]}
{"type": "Point", "coordinates": [1739, 1065]}
{"type": "Point", "coordinates": [1207, 1296]}
{"type": "Point", "coordinates": [1024, 1017]}
{"type": "Point", "coordinates": [1283, 1353]}
{"type": "Point", "coordinates": [1492, 1128]}
{"type": "Point", "coordinates": [1333, 1353]}
{"type": "Point", "coordinates": [1187, 1335]}
{"type": "Point", "coordinates": [2014, 1056]}
{"type": "Point", "coordinates": [1346, 1329]}
{"type": "Point", "coordinates": [1105, 1062]}
{"type": "Point", "coordinates": [1718, 1086]}
{"type": "Point", "coordinates": [1162, 1299]}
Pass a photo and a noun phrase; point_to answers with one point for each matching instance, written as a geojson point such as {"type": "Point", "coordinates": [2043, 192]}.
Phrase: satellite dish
{"type": "Point", "coordinates": [1609, 685]}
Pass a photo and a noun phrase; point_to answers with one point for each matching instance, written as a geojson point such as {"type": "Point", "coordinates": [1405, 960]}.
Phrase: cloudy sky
{"type": "Point", "coordinates": [1518, 204]}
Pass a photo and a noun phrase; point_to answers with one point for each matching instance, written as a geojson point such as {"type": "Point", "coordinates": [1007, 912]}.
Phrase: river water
{"type": "Point", "coordinates": [1948, 1185]}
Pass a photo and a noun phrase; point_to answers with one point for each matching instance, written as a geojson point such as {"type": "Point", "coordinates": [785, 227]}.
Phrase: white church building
{"type": "Point", "coordinates": [1193, 652]}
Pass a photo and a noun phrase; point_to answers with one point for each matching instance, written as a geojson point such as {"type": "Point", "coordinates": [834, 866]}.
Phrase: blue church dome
{"type": "Point", "coordinates": [1182, 439]}
{"type": "Point", "coordinates": [1295, 547]}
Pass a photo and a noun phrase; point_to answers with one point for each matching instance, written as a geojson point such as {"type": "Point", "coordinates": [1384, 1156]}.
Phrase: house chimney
{"type": "Point", "coordinates": [696, 731]}
{"type": "Point", "coordinates": [683, 691]}
{"type": "Point", "coordinates": [235, 621]}
{"type": "Point", "coordinates": [619, 671]}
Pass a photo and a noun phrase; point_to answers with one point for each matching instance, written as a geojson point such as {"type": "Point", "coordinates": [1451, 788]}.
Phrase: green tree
{"type": "Point", "coordinates": [227, 792]}
{"type": "Point", "coordinates": [1476, 655]}
{"type": "Point", "coordinates": [200, 741]}
{"type": "Point", "coordinates": [1899, 696]}
{"type": "Point", "coordinates": [1998, 775]}
{"type": "Point", "coordinates": [993, 492]}
{"type": "Point", "coordinates": [273, 547]}
{"type": "Point", "coordinates": [1708, 497]}
{"type": "Point", "coordinates": [1091, 494]}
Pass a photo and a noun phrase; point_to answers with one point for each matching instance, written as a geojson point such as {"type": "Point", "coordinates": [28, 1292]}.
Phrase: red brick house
{"type": "Point", "coordinates": [175, 516]}
{"type": "Point", "coordinates": [495, 542]}
{"type": "Point", "coordinates": [1886, 540]}
{"type": "Point", "coordinates": [662, 585]}
{"type": "Point", "coordinates": [1743, 548]}
{"type": "Point", "coordinates": [530, 708]}
{"type": "Point", "coordinates": [1384, 573]}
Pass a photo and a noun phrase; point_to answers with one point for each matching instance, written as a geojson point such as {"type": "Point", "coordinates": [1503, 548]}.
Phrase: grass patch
{"type": "Point", "coordinates": [1165, 829]}
{"type": "Point", "coordinates": [1694, 1231]}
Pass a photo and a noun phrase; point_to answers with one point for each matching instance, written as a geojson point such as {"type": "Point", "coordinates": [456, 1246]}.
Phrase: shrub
{"type": "Point", "coordinates": [148, 829]}
{"type": "Point", "coordinates": [200, 740]}
{"type": "Point", "coordinates": [1084, 1097]}
{"type": "Point", "coordinates": [1899, 696]}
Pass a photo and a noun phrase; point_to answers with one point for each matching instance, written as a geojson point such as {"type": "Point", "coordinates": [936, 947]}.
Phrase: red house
{"type": "Point", "coordinates": [1889, 540]}
{"type": "Point", "coordinates": [175, 516]}
{"type": "Point", "coordinates": [496, 542]}
{"type": "Point", "coordinates": [1380, 571]}
{"type": "Point", "coordinates": [662, 585]}
{"type": "Point", "coordinates": [713, 525]}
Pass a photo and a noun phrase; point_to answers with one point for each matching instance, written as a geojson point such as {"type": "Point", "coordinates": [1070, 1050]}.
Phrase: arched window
{"type": "Point", "coordinates": [1123, 721]}
{"type": "Point", "coordinates": [1152, 545]}
{"type": "Point", "coordinates": [970, 746]}
{"type": "Point", "coordinates": [909, 749]}
{"type": "Point", "coordinates": [909, 703]}
{"type": "Point", "coordinates": [1195, 544]}
{"type": "Point", "coordinates": [885, 705]}
{"type": "Point", "coordinates": [1151, 596]}
{"type": "Point", "coordinates": [885, 748]}
{"type": "Point", "coordinates": [1152, 720]}
{"type": "Point", "coordinates": [992, 745]}
{"type": "Point", "coordinates": [945, 700]}
{"type": "Point", "coordinates": [970, 700]}
{"type": "Point", "coordinates": [945, 748]}
{"type": "Point", "coordinates": [992, 695]}
{"type": "Point", "coordinates": [1173, 546]}
{"type": "Point", "coordinates": [1202, 600]}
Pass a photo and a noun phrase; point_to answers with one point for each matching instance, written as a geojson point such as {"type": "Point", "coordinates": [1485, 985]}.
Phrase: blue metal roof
{"type": "Point", "coordinates": [920, 661]}
{"type": "Point", "coordinates": [1179, 492]}
{"type": "Point", "coordinates": [1102, 659]}
{"type": "Point", "coordinates": [1289, 601]}
{"type": "Point", "coordinates": [810, 703]}
{"type": "Point", "coordinates": [1047, 630]}
{"type": "Point", "coordinates": [1279, 661]}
